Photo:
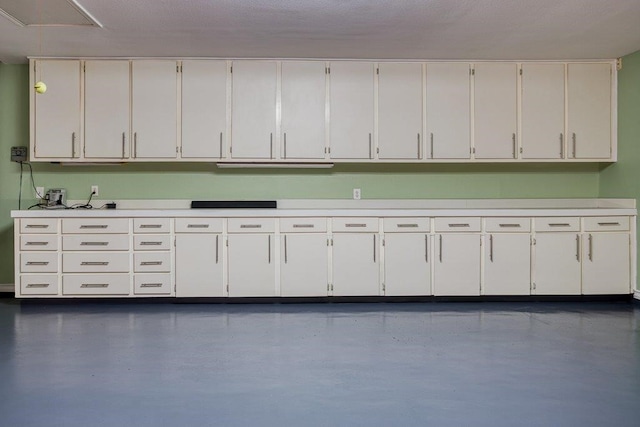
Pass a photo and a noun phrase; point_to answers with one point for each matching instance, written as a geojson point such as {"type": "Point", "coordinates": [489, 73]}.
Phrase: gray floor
{"type": "Point", "coordinates": [418, 364]}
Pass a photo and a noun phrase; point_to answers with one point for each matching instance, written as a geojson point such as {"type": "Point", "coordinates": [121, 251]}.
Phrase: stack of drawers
{"type": "Point", "coordinates": [152, 258]}
{"type": "Point", "coordinates": [39, 263]}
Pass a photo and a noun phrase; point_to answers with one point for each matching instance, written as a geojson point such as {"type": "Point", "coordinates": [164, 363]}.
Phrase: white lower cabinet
{"type": "Point", "coordinates": [507, 264]}
{"type": "Point", "coordinates": [457, 266]}
{"type": "Point", "coordinates": [356, 269]}
{"type": "Point", "coordinates": [407, 264]}
{"type": "Point", "coordinates": [252, 266]}
{"type": "Point", "coordinates": [605, 263]}
{"type": "Point", "coordinates": [556, 269]}
{"type": "Point", "coordinates": [199, 265]}
{"type": "Point", "coordinates": [304, 265]}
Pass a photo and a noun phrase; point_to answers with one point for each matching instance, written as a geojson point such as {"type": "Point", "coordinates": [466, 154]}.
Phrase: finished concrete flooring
{"type": "Point", "coordinates": [415, 364]}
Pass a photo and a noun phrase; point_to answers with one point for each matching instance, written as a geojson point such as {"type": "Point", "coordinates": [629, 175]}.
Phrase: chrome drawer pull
{"type": "Point", "coordinates": [407, 225]}
{"type": "Point", "coordinates": [303, 226]}
{"type": "Point", "coordinates": [250, 226]}
{"type": "Point", "coordinates": [459, 225]}
{"type": "Point", "coordinates": [37, 226]}
{"type": "Point", "coordinates": [609, 223]}
{"type": "Point", "coordinates": [559, 224]}
{"type": "Point", "coordinates": [198, 226]}
{"type": "Point", "coordinates": [151, 285]}
{"type": "Point", "coordinates": [94, 243]}
{"type": "Point", "coordinates": [151, 226]}
{"type": "Point", "coordinates": [38, 263]}
{"type": "Point", "coordinates": [355, 225]}
{"type": "Point", "coordinates": [151, 263]}
{"type": "Point", "coordinates": [97, 226]}
{"type": "Point", "coordinates": [38, 285]}
{"type": "Point", "coordinates": [94, 263]}
{"type": "Point", "coordinates": [36, 243]}
{"type": "Point", "coordinates": [94, 285]}
{"type": "Point", "coordinates": [510, 225]}
{"type": "Point", "coordinates": [150, 243]}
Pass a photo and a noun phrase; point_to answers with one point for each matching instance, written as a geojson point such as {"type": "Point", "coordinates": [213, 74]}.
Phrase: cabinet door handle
{"type": "Point", "coordinates": [304, 226]}
{"type": "Point", "coordinates": [135, 145]}
{"type": "Point", "coordinates": [220, 144]}
{"type": "Point", "coordinates": [150, 225]}
{"type": "Point", "coordinates": [559, 224]}
{"type": "Point", "coordinates": [418, 146]}
{"type": "Point", "coordinates": [217, 246]}
{"type": "Point", "coordinates": [197, 225]}
{"type": "Point", "coordinates": [431, 137]}
{"type": "Point", "coordinates": [94, 226]}
{"type": "Point", "coordinates": [94, 243]}
{"type": "Point", "coordinates": [285, 145]}
{"type": "Point", "coordinates": [37, 226]}
{"type": "Point", "coordinates": [269, 249]}
{"type": "Point", "coordinates": [73, 145]}
{"type": "Point", "coordinates": [151, 263]}
{"type": "Point", "coordinates": [574, 144]}
{"type": "Point", "coordinates": [370, 147]}
{"type": "Point", "coordinates": [250, 225]}
{"type": "Point", "coordinates": [38, 285]}
{"type": "Point", "coordinates": [37, 262]}
{"type": "Point", "coordinates": [123, 143]}
{"type": "Point", "coordinates": [509, 225]}
{"type": "Point", "coordinates": [94, 263]}
{"type": "Point", "coordinates": [94, 285]}
{"type": "Point", "coordinates": [426, 248]}
{"type": "Point", "coordinates": [149, 243]}
{"type": "Point", "coordinates": [578, 247]}
{"type": "Point", "coordinates": [414, 225]}
{"type": "Point", "coordinates": [374, 248]}
{"type": "Point", "coordinates": [608, 223]}
{"type": "Point", "coordinates": [355, 225]}
{"type": "Point", "coordinates": [36, 243]}
{"type": "Point", "coordinates": [590, 247]}
{"type": "Point", "coordinates": [285, 249]}
{"type": "Point", "coordinates": [271, 145]}
{"type": "Point", "coordinates": [491, 247]}
{"type": "Point", "coordinates": [513, 139]}
{"type": "Point", "coordinates": [151, 285]}
{"type": "Point", "coordinates": [561, 146]}
{"type": "Point", "coordinates": [459, 225]}
{"type": "Point", "coordinates": [440, 252]}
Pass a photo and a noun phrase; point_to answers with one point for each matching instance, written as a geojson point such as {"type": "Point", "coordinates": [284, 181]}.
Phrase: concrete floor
{"type": "Point", "coordinates": [417, 364]}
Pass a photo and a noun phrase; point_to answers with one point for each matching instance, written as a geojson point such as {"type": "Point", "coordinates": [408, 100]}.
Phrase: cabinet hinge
{"type": "Point", "coordinates": [534, 241]}
{"type": "Point", "coordinates": [472, 150]}
{"type": "Point", "coordinates": [328, 70]}
{"type": "Point", "coordinates": [34, 67]}
{"type": "Point", "coordinates": [84, 67]}
{"type": "Point", "coordinates": [328, 287]}
{"type": "Point", "coordinates": [230, 149]}
{"type": "Point", "coordinates": [619, 64]}
{"type": "Point", "coordinates": [472, 71]}
{"type": "Point", "coordinates": [520, 71]}
{"type": "Point", "coordinates": [231, 69]}
{"type": "Point", "coordinates": [378, 150]}
{"type": "Point", "coordinates": [331, 242]}
{"type": "Point", "coordinates": [227, 288]}
{"type": "Point", "coordinates": [533, 286]}
{"type": "Point", "coordinates": [178, 150]}
{"type": "Point", "coordinates": [332, 287]}
{"type": "Point", "coordinates": [174, 243]}
{"type": "Point", "coordinates": [520, 150]}
{"type": "Point", "coordinates": [327, 242]}
{"type": "Point", "coordinates": [227, 242]}
{"type": "Point", "coordinates": [378, 71]}
{"type": "Point", "coordinates": [383, 242]}
{"type": "Point", "coordinates": [384, 288]}
{"type": "Point", "coordinates": [177, 68]}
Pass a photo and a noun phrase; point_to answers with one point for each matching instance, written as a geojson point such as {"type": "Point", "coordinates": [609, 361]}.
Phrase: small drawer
{"type": "Point", "coordinates": [36, 242]}
{"type": "Point", "coordinates": [355, 225]}
{"type": "Point", "coordinates": [406, 225]}
{"type": "Point", "coordinates": [95, 225]}
{"type": "Point", "coordinates": [152, 261]}
{"type": "Point", "coordinates": [151, 225]}
{"type": "Point", "coordinates": [152, 284]}
{"type": "Point", "coordinates": [37, 262]}
{"type": "Point", "coordinates": [92, 262]}
{"type": "Point", "coordinates": [96, 284]}
{"type": "Point", "coordinates": [39, 225]}
{"type": "Point", "coordinates": [199, 225]}
{"type": "Point", "coordinates": [251, 225]}
{"type": "Point", "coordinates": [542, 225]}
{"type": "Point", "coordinates": [606, 223]}
{"type": "Point", "coordinates": [91, 242]}
{"type": "Point", "coordinates": [39, 284]}
{"type": "Point", "coordinates": [303, 225]}
{"type": "Point", "coordinates": [152, 242]}
{"type": "Point", "coordinates": [507, 225]}
{"type": "Point", "coordinates": [463, 224]}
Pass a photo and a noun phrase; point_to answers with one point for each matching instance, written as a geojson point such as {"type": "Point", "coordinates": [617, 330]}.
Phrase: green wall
{"type": "Point", "coordinates": [205, 181]}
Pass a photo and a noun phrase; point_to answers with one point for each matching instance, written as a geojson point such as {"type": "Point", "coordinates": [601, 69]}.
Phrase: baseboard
{"type": "Point", "coordinates": [8, 287]}
{"type": "Point", "coordinates": [636, 294]}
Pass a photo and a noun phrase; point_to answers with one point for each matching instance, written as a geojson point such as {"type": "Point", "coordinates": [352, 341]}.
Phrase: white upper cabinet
{"type": "Point", "coordinates": [495, 107]}
{"type": "Point", "coordinates": [400, 111]}
{"type": "Point", "coordinates": [155, 109]}
{"type": "Point", "coordinates": [589, 110]}
{"type": "Point", "coordinates": [253, 118]}
{"type": "Point", "coordinates": [204, 108]}
{"type": "Point", "coordinates": [106, 110]}
{"type": "Point", "coordinates": [448, 111]}
{"type": "Point", "coordinates": [352, 110]}
{"type": "Point", "coordinates": [56, 113]}
{"type": "Point", "coordinates": [542, 95]}
{"type": "Point", "coordinates": [303, 100]}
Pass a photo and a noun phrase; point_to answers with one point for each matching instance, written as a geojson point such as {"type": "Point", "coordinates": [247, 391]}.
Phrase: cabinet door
{"type": "Point", "coordinates": [57, 111]}
{"type": "Point", "coordinates": [507, 264]}
{"type": "Point", "coordinates": [204, 108]}
{"type": "Point", "coordinates": [407, 264]}
{"type": "Point", "coordinates": [605, 264]}
{"type": "Point", "coordinates": [495, 110]}
{"type": "Point", "coordinates": [589, 110]}
{"type": "Point", "coordinates": [303, 265]}
{"type": "Point", "coordinates": [199, 265]}
{"type": "Point", "coordinates": [106, 109]}
{"type": "Point", "coordinates": [355, 264]}
{"type": "Point", "coordinates": [556, 266]}
{"type": "Point", "coordinates": [457, 268]}
{"type": "Point", "coordinates": [252, 268]}
{"type": "Point", "coordinates": [303, 110]}
{"type": "Point", "coordinates": [542, 132]}
{"type": "Point", "coordinates": [352, 110]}
{"type": "Point", "coordinates": [253, 117]}
{"type": "Point", "coordinates": [448, 111]}
{"type": "Point", "coordinates": [155, 109]}
{"type": "Point", "coordinates": [399, 111]}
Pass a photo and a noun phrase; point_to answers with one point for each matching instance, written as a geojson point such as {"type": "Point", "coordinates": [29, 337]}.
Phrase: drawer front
{"type": "Point", "coordinates": [91, 242]}
{"type": "Point", "coordinates": [151, 225]}
{"type": "Point", "coordinates": [39, 284]}
{"type": "Point", "coordinates": [39, 242]}
{"type": "Point", "coordinates": [39, 225]}
{"type": "Point", "coordinates": [152, 261]}
{"type": "Point", "coordinates": [95, 225]}
{"type": "Point", "coordinates": [355, 225]}
{"type": "Point", "coordinates": [199, 225]}
{"type": "Point", "coordinates": [37, 262]}
{"type": "Point", "coordinates": [92, 262]}
{"type": "Point", "coordinates": [152, 284]}
{"type": "Point", "coordinates": [96, 284]}
{"type": "Point", "coordinates": [462, 224]}
{"type": "Point", "coordinates": [542, 225]}
{"type": "Point", "coordinates": [406, 225]}
{"type": "Point", "coordinates": [606, 223]}
{"type": "Point", "coordinates": [251, 225]}
{"type": "Point", "coordinates": [303, 225]}
{"type": "Point", "coordinates": [507, 225]}
{"type": "Point", "coordinates": [152, 242]}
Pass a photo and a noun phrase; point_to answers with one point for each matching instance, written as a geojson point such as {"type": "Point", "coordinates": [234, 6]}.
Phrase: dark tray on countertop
{"type": "Point", "coordinates": [234, 204]}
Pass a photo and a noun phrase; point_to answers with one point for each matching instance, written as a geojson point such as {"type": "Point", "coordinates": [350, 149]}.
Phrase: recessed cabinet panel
{"type": "Point", "coordinates": [155, 109]}
{"type": "Point", "coordinates": [407, 264]}
{"type": "Point", "coordinates": [556, 267]}
{"type": "Point", "coordinates": [507, 264]}
{"type": "Point", "coordinates": [204, 108]}
{"type": "Point", "coordinates": [400, 111]}
{"type": "Point", "coordinates": [352, 110]}
{"type": "Point", "coordinates": [253, 117]}
{"type": "Point", "coordinates": [199, 265]}
{"type": "Point", "coordinates": [495, 110]}
{"type": "Point", "coordinates": [356, 268]}
{"type": "Point", "coordinates": [457, 264]}
{"type": "Point", "coordinates": [106, 110]}
{"type": "Point", "coordinates": [304, 265]}
{"type": "Point", "coordinates": [57, 111]}
{"type": "Point", "coordinates": [303, 110]}
{"type": "Point", "coordinates": [448, 111]}
{"type": "Point", "coordinates": [252, 265]}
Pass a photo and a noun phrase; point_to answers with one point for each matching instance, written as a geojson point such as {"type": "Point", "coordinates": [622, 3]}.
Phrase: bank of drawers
{"type": "Point", "coordinates": [152, 256]}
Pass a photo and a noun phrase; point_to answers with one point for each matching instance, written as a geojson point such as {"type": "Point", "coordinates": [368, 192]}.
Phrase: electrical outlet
{"type": "Point", "coordinates": [40, 192]}
{"type": "Point", "coordinates": [18, 154]}
{"type": "Point", "coordinates": [94, 190]}
{"type": "Point", "coordinates": [357, 194]}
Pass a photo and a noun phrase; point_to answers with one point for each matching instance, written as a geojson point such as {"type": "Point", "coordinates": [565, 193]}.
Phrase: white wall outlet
{"type": "Point", "coordinates": [357, 194]}
{"type": "Point", "coordinates": [39, 192]}
{"type": "Point", "coordinates": [94, 190]}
